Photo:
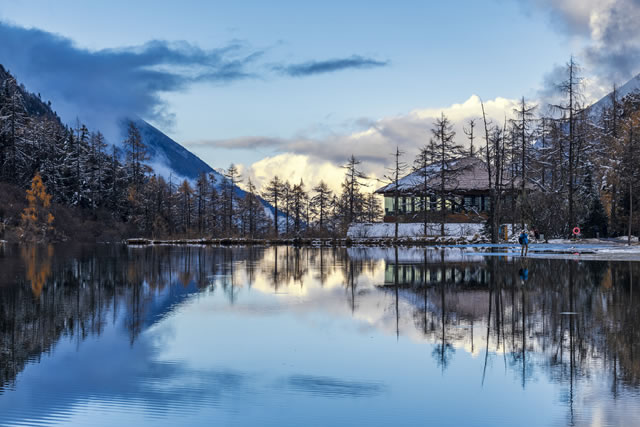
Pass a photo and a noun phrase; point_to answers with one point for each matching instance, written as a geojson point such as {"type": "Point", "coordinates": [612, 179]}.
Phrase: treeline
{"type": "Point", "coordinates": [77, 168]}
{"type": "Point", "coordinates": [576, 165]}
{"type": "Point", "coordinates": [553, 167]}
{"type": "Point", "coordinates": [215, 207]}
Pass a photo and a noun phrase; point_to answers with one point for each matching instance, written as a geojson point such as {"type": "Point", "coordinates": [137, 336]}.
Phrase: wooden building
{"type": "Point", "coordinates": [466, 195]}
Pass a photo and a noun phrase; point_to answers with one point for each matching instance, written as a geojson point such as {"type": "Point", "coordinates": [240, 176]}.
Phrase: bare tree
{"type": "Point", "coordinates": [571, 88]}
{"type": "Point", "coordinates": [524, 127]}
{"type": "Point", "coordinates": [395, 173]}
{"type": "Point", "coordinates": [469, 132]}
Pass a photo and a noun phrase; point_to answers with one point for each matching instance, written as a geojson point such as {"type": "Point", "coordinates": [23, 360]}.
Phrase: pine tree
{"type": "Point", "coordinates": [273, 194]}
{"type": "Point", "coordinates": [321, 201]}
{"type": "Point", "coordinates": [136, 156]}
{"type": "Point", "coordinates": [184, 207]}
{"type": "Point", "coordinates": [201, 195]}
{"type": "Point", "coordinates": [13, 119]}
{"type": "Point", "coordinates": [213, 211]}
{"type": "Point", "coordinates": [352, 194]}
{"type": "Point", "coordinates": [373, 210]}
{"type": "Point", "coordinates": [446, 151]}
{"type": "Point", "coordinates": [423, 168]}
{"type": "Point", "coordinates": [299, 203]}
{"type": "Point", "coordinates": [232, 178]}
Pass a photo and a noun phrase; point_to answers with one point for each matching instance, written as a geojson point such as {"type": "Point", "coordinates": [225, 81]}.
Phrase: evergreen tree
{"type": "Point", "coordinates": [299, 204]}
{"type": "Point", "coordinates": [13, 120]}
{"type": "Point", "coordinates": [232, 178]}
{"type": "Point", "coordinates": [446, 152]}
{"type": "Point", "coordinates": [321, 201]}
{"type": "Point", "coordinates": [423, 168]}
{"type": "Point", "coordinates": [273, 194]}
{"type": "Point", "coordinates": [136, 156]}
{"type": "Point", "coordinates": [184, 207]}
{"type": "Point", "coordinates": [351, 189]}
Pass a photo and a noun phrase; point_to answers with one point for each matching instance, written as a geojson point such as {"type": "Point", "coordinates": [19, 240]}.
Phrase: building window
{"type": "Point", "coordinates": [388, 205]}
{"type": "Point", "coordinates": [468, 202]}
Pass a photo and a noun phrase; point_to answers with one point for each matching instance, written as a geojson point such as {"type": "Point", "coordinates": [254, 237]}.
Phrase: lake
{"type": "Point", "coordinates": [169, 335]}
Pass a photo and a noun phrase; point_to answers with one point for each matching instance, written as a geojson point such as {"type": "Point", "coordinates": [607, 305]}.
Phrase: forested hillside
{"type": "Point", "coordinates": [100, 191]}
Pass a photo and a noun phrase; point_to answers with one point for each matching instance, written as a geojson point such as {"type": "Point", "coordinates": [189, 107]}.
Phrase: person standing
{"type": "Point", "coordinates": [524, 243]}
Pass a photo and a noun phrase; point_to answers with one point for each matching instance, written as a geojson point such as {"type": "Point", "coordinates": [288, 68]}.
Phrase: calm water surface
{"type": "Point", "coordinates": [110, 335]}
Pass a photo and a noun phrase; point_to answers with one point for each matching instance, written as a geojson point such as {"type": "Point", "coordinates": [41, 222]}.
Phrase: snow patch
{"type": "Point", "coordinates": [387, 229]}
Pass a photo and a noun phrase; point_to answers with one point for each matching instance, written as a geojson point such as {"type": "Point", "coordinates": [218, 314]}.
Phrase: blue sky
{"type": "Point", "coordinates": [425, 56]}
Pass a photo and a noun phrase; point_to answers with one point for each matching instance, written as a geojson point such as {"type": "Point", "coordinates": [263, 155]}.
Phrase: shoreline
{"type": "Point", "coordinates": [312, 242]}
{"type": "Point", "coordinates": [475, 241]}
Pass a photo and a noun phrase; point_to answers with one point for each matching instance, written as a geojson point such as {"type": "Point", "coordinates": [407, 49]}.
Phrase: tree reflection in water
{"type": "Point", "coordinates": [564, 319]}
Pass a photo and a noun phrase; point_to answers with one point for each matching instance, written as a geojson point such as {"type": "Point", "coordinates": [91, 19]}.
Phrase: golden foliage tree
{"type": "Point", "coordinates": [37, 220]}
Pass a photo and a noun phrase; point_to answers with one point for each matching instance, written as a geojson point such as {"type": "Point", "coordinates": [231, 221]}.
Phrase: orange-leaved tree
{"type": "Point", "coordinates": [37, 220]}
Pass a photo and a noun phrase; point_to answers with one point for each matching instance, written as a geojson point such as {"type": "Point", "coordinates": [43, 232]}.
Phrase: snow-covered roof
{"type": "Point", "coordinates": [463, 174]}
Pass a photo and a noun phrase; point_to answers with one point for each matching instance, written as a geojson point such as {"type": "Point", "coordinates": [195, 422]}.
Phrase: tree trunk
{"type": "Point", "coordinates": [630, 211]}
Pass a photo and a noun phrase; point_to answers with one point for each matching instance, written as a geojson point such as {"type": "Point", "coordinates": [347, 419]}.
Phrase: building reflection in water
{"type": "Point", "coordinates": [563, 319]}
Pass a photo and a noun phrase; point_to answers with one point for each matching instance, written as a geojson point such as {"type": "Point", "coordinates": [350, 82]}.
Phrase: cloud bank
{"type": "Point", "coordinates": [122, 81]}
{"type": "Point", "coordinates": [100, 86]}
{"type": "Point", "coordinates": [610, 28]}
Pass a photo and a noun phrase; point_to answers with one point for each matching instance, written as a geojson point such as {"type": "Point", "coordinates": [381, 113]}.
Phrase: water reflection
{"type": "Point", "coordinates": [570, 326]}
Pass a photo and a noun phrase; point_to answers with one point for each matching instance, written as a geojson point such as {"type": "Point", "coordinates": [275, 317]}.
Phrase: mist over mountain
{"type": "Point", "coordinates": [170, 159]}
{"type": "Point", "coordinates": [633, 85]}
{"type": "Point", "coordinates": [167, 154]}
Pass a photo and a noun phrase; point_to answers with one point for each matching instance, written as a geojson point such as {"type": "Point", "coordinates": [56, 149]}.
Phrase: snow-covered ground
{"type": "Point", "coordinates": [591, 249]}
{"type": "Point", "coordinates": [387, 229]}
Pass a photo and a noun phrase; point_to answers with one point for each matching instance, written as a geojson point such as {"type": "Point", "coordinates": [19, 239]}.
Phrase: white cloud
{"type": "Point", "coordinates": [295, 167]}
{"type": "Point", "coordinates": [320, 159]}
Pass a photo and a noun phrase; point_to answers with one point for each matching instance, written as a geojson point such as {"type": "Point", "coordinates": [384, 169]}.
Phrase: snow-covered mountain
{"type": "Point", "coordinates": [170, 158]}
{"type": "Point", "coordinates": [605, 102]}
{"type": "Point", "coordinates": [168, 155]}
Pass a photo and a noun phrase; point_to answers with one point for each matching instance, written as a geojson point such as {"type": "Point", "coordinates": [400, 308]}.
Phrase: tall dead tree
{"type": "Point", "coordinates": [493, 219]}
{"type": "Point", "coordinates": [395, 173]}
{"type": "Point", "coordinates": [524, 126]}
{"type": "Point", "coordinates": [571, 88]}
{"type": "Point", "coordinates": [469, 132]}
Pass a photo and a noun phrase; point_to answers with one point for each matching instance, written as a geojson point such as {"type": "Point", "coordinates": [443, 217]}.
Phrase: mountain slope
{"type": "Point", "coordinates": [167, 152]}
{"type": "Point", "coordinates": [631, 86]}
{"type": "Point", "coordinates": [169, 157]}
